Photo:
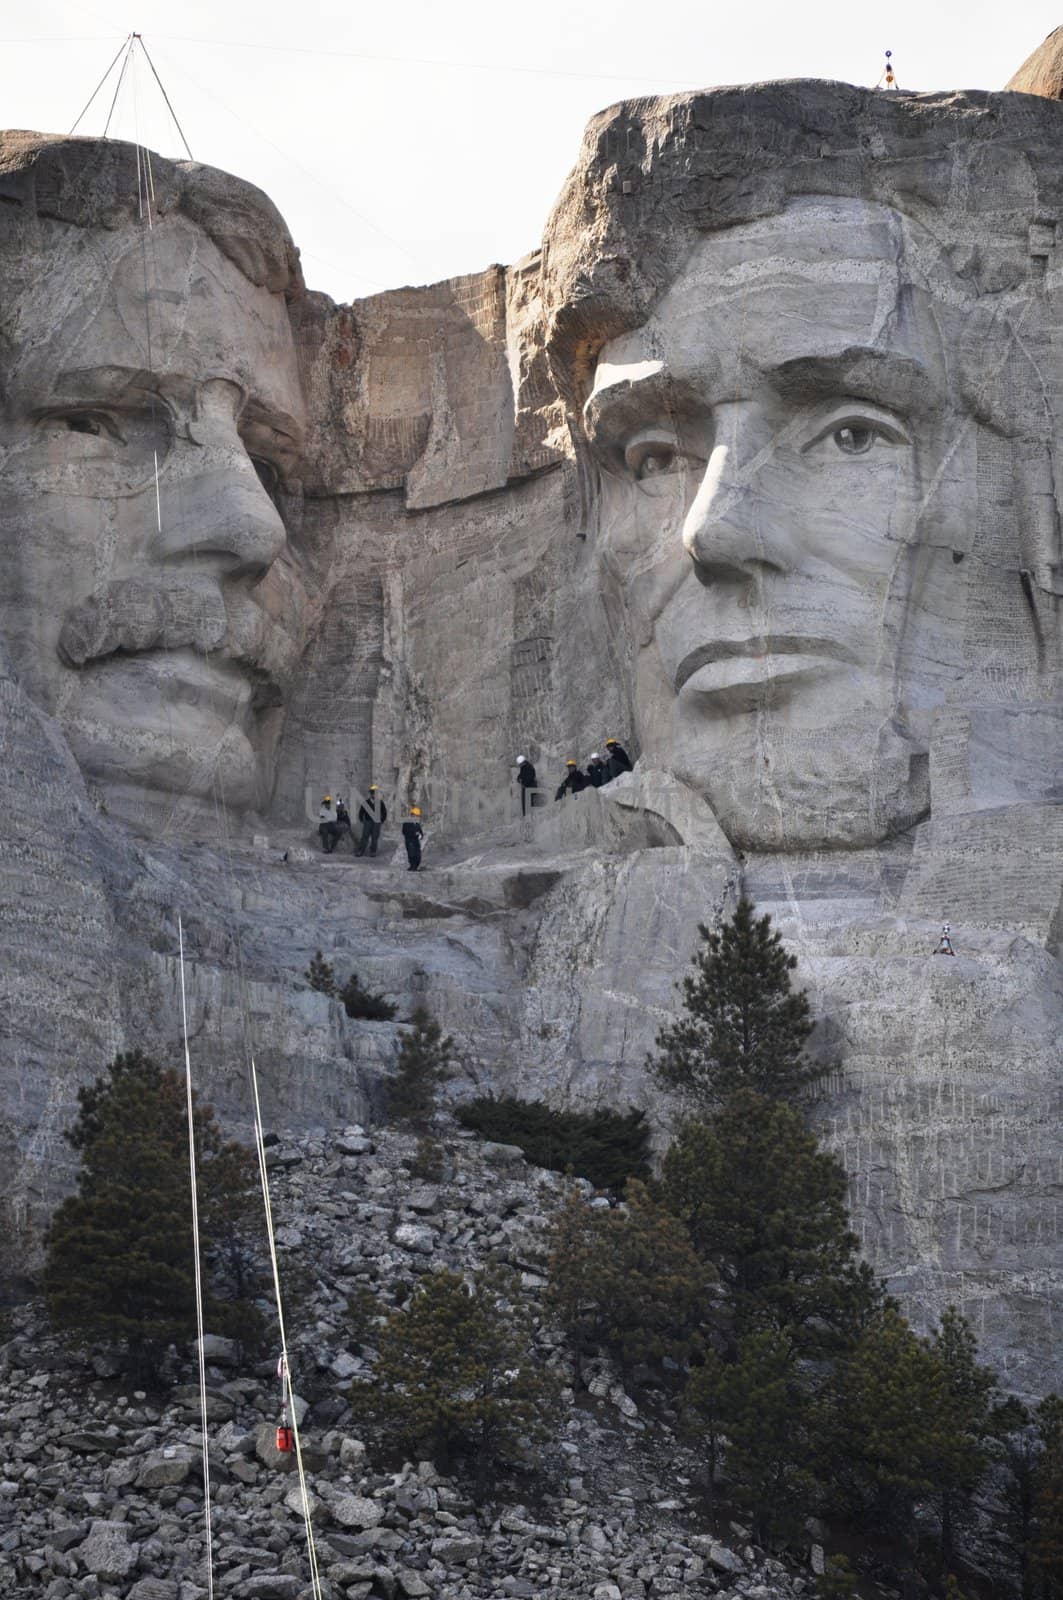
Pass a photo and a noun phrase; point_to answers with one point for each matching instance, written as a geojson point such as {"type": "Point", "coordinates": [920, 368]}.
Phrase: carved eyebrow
{"type": "Point", "coordinates": [621, 406]}
{"type": "Point", "coordinates": [897, 381]}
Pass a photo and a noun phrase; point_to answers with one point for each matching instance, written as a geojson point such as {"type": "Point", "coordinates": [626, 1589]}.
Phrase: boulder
{"type": "Point", "coordinates": [355, 1511]}
{"type": "Point", "coordinates": [107, 1553]}
{"type": "Point", "coordinates": [163, 1468]}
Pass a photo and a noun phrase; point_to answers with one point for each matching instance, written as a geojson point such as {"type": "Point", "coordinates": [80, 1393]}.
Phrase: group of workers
{"type": "Point", "coordinates": [334, 819]}
{"type": "Point", "coordinates": [600, 770]}
{"type": "Point", "coordinates": [334, 824]}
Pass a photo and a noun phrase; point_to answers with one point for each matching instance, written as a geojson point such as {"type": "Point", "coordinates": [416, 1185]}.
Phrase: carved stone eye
{"type": "Point", "coordinates": [854, 441]}
{"type": "Point", "coordinates": [655, 462]}
{"type": "Point", "coordinates": [80, 422]}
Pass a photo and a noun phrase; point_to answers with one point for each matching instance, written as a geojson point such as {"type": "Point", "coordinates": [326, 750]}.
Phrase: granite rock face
{"type": "Point", "coordinates": [753, 466]}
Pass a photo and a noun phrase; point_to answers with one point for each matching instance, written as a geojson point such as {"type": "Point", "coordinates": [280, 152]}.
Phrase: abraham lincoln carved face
{"type": "Point", "coordinates": [151, 415]}
{"type": "Point", "coordinates": [822, 464]}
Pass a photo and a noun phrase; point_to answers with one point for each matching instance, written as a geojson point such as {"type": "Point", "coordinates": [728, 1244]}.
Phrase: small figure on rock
{"type": "Point", "coordinates": [527, 780]}
{"type": "Point", "coordinates": [327, 826]}
{"type": "Point", "coordinates": [412, 835]}
{"type": "Point", "coordinates": [343, 821]}
{"type": "Point", "coordinates": [619, 761]}
{"type": "Point", "coordinates": [574, 781]}
{"type": "Point", "coordinates": [372, 814]}
{"type": "Point", "coordinates": [945, 942]}
{"type": "Point", "coordinates": [596, 771]}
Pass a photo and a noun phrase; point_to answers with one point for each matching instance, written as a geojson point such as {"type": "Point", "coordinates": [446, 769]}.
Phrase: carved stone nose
{"type": "Point", "coordinates": [734, 527]}
{"type": "Point", "coordinates": [221, 515]}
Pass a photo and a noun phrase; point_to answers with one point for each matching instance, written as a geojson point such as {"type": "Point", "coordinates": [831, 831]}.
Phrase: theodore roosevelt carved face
{"type": "Point", "coordinates": [151, 412]}
{"type": "Point", "coordinates": [794, 452]}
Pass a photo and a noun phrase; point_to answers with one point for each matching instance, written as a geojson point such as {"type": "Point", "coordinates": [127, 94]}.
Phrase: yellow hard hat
{"type": "Point", "coordinates": [327, 800]}
{"type": "Point", "coordinates": [570, 762]}
{"type": "Point", "coordinates": [415, 811]}
{"type": "Point", "coordinates": [612, 741]}
{"type": "Point", "coordinates": [372, 786]}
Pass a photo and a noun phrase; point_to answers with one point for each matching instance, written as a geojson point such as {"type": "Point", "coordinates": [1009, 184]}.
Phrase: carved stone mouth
{"type": "Point", "coordinates": [192, 616]}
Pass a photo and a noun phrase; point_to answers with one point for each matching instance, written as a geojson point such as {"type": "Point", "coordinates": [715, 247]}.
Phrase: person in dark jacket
{"type": "Point", "coordinates": [527, 780]}
{"type": "Point", "coordinates": [343, 822]}
{"type": "Point", "coordinates": [574, 781]}
{"type": "Point", "coordinates": [619, 761]}
{"type": "Point", "coordinates": [412, 834]}
{"type": "Point", "coordinates": [596, 771]}
{"type": "Point", "coordinates": [372, 814]}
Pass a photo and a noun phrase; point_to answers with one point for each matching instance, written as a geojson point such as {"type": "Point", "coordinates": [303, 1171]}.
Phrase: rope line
{"type": "Point", "coordinates": [286, 1374]}
{"type": "Point", "coordinates": [166, 97]}
{"type": "Point", "coordinates": [198, 1268]}
{"type": "Point", "coordinates": [123, 46]}
{"type": "Point", "coordinates": [118, 85]}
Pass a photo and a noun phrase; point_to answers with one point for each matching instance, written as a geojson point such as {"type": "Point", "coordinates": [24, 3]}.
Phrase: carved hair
{"type": "Point", "coordinates": [93, 183]}
{"type": "Point", "coordinates": [655, 175]}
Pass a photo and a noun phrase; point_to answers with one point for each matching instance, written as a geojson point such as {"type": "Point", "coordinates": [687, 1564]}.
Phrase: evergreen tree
{"type": "Point", "coordinates": [1021, 1452]}
{"type": "Point", "coordinates": [605, 1147]}
{"type": "Point", "coordinates": [1048, 1497]}
{"type": "Point", "coordinates": [760, 1401]}
{"type": "Point", "coordinates": [626, 1281]}
{"type": "Point", "coordinates": [742, 1026]}
{"type": "Point", "coordinates": [363, 1003]}
{"type": "Point", "coordinates": [320, 976]}
{"type": "Point", "coordinates": [766, 1208]}
{"type": "Point", "coordinates": [971, 1425]}
{"type": "Point", "coordinates": [837, 1581]}
{"type": "Point", "coordinates": [703, 1415]}
{"type": "Point", "coordinates": [424, 1063]}
{"type": "Point", "coordinates": [457, 1378]}
{"type": "Point", "coordinates": [120, 1264]}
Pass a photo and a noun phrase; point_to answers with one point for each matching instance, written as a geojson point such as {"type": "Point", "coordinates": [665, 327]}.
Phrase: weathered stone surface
{"type": "Point", "coordinates": [107, 1552]}
{"type": "Point", "coordinates": [818, 597]}
{"type": "Point", "coordinates": [355, 1511]}
{"type": "Point", "coordinates": [162, 1468]}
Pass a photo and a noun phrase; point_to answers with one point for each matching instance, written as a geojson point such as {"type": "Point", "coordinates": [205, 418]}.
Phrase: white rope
{"type": "Point", "coordinates": [198, 1271]}
{"type": "Point", "coordinates": [286, 1373]}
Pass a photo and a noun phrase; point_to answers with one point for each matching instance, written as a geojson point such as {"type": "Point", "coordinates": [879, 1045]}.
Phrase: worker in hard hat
{"type": "Point", "coordinates": [372, 814]}
{"type": "Point", "coordinates": [326, 824]}
{"type": "Point", "coordinates": [527, 780]}
{"type": "Point", "coordinates": [618, 760]}
{"type": "Point", "coordinates": [596, 770]}
{"type": "Point", "coordinates": [412, 835]}
{"type": "Point", "coordinates": [574, 781]}
{"type": "Point", "coordinates": [343, 821]}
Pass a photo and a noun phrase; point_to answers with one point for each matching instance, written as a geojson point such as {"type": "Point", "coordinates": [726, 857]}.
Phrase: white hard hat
{"type": "Point", "coordinates": [595, 756]}
{"type": "Point", "coordinates": [520, 759]}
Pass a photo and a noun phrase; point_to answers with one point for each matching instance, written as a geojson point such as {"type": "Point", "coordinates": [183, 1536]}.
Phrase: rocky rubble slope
{"type": "Point", "coordinates": [101, 1491]}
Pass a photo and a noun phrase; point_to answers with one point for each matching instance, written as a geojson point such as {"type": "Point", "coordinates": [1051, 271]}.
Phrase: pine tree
{"type": "Point", "coordinates": [742, 1025]}
{"type": "Point", "coordinates": [881, 1424]}
{"type": "Point", "coordinates": [626, 1281]}
{"type": "Point", "coordinates": [363, 1003]}
{"type": "Point", "coordinates": [424, 1063]}
{"type": "Point", "coordinates": [766, 1208]}
{"type": "Point", "coordinates": [1048, 1497]}
{"type": "Point", "coordinates": [606, 1147]}
{"type": "Point", "coordinates": [120, 1264]}
{"type": "Point", "coordinates": [761, 1402]}
{"type": "Point", "coordinates": [457, 1378]}
{"type": "Point", "coordinates": [320, 976]}
{"type": "Point", "coordinates": [971, 1426]}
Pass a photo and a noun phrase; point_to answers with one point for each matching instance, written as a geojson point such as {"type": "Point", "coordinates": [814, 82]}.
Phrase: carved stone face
{"type": "Point", "coordinates": [147, 596]}
{"type": "Point", "coordinates": [788, 493]}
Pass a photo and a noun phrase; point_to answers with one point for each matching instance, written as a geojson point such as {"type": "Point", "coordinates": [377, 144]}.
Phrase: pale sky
{"type": "Point", "coordinates": [412, 141]}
